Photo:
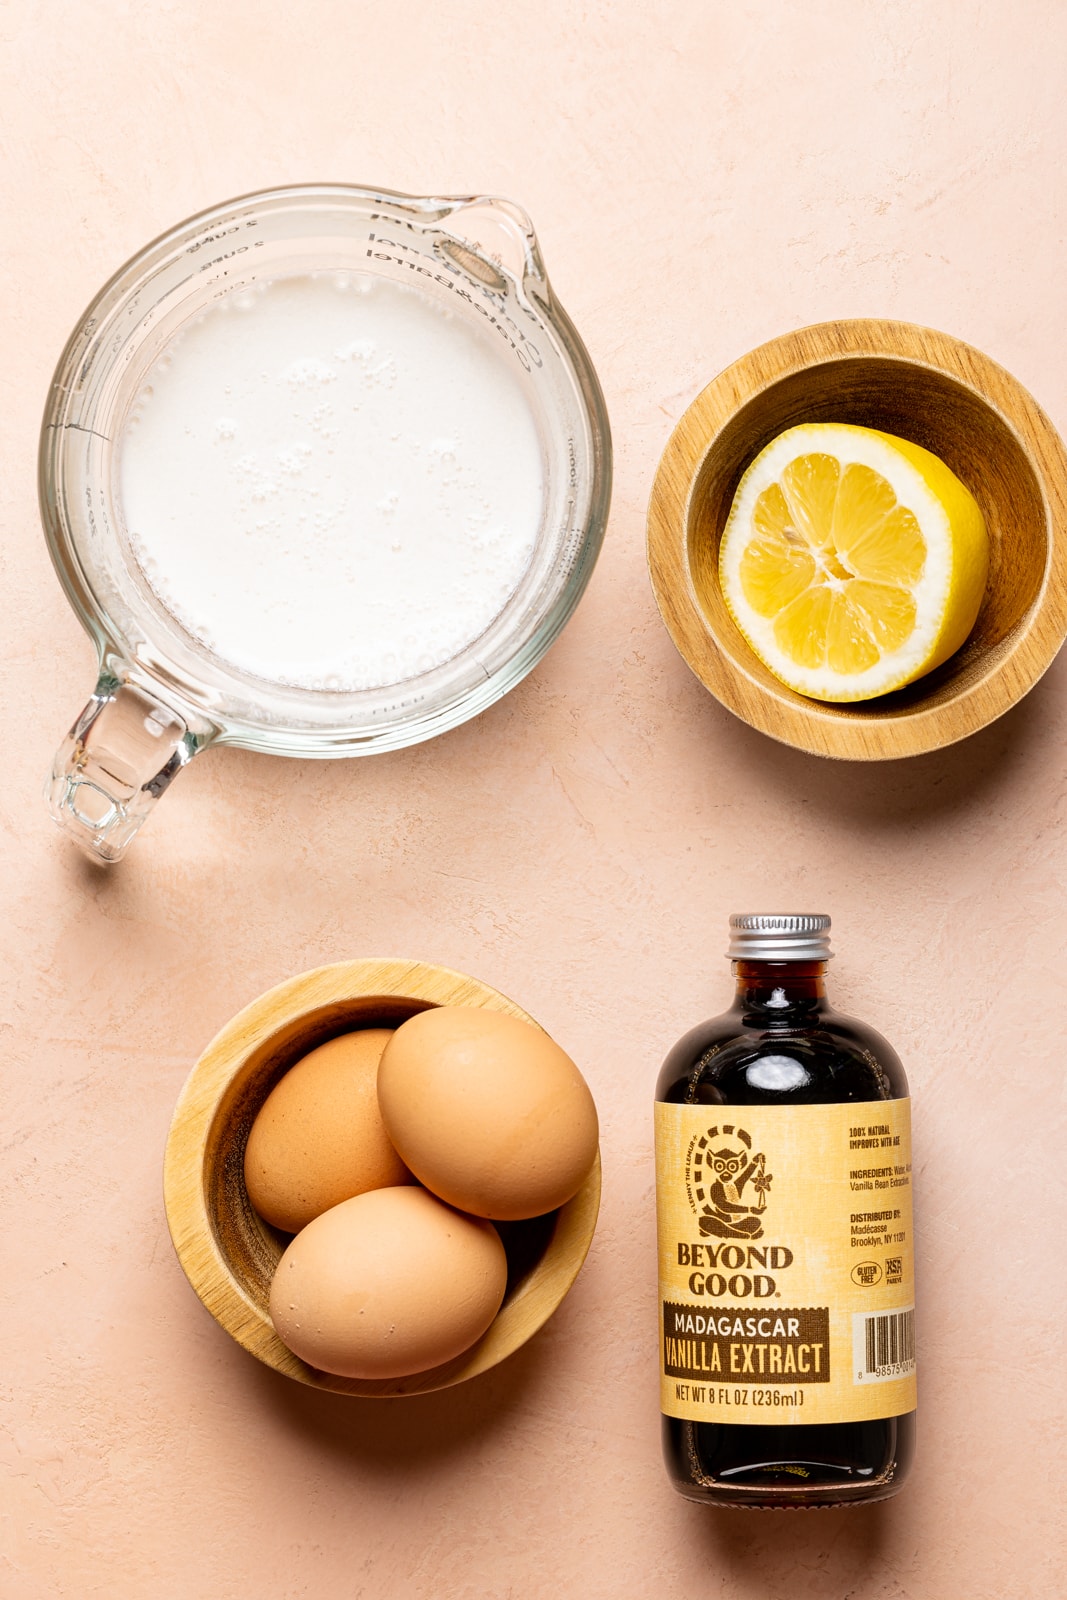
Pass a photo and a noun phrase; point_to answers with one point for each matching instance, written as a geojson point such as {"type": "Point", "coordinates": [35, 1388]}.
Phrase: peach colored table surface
{"type": "Point", "coordinates": [702, 177]}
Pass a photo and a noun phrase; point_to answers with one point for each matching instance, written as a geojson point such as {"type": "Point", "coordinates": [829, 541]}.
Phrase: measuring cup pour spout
{"type": "Point", "coordinates": [122, 753]}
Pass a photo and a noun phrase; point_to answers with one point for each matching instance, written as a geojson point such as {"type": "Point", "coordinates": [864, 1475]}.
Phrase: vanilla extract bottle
{"type": "Point", "coordinates": [783, 1194]}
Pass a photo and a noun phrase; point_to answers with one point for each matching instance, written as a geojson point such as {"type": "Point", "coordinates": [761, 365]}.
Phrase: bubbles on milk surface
{"type": "Point", "coordinates": [331, 481]}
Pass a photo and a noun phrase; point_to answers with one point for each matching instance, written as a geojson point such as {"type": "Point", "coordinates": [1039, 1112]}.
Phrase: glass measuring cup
{"type": "Point", "coordinates": [162, 694]}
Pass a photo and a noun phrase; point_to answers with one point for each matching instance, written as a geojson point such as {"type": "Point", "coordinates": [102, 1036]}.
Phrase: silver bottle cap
{"type": "Point", "coordinates": [763, 937]}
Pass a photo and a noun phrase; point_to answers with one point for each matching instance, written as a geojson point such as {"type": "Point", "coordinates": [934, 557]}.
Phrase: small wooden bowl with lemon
{"type": "Point", "coordinates": [765, 587]}
{"type": "Point", "coordinates": [229, 1253]}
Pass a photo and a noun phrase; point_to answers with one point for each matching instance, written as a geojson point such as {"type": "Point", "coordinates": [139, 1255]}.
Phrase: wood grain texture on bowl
{"type": "Point", "coordinates": [229, 1253]}
{"type": "Point", "coordinates": [923, 386]}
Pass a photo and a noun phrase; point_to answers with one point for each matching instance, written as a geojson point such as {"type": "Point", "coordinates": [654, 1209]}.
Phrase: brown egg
{"type": "Point", "coordinates": [390, 1283]}
{"type": "Point", "coordinates": [319, 1137]}
{"type": "Point", "coordinates": [487, 1111]}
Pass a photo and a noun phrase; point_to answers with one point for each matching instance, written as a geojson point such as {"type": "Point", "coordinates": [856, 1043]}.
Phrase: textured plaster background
{"type": "Point", "coordinates": [702, 176]}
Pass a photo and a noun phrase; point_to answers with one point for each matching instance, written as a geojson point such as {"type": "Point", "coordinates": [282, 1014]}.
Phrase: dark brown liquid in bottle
{"type": "Point", "coordinates": [817, 1058]}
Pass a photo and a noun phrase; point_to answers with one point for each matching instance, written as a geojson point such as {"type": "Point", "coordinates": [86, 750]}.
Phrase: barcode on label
{"type": "Point", "coordinates": [883, 1345]}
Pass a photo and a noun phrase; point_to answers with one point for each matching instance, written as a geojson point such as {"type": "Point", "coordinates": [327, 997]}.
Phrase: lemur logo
{"type": "Point", "coordinates": [729, 1184]}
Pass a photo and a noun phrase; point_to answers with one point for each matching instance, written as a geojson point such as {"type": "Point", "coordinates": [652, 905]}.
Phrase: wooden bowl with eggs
{"type": "Point", "coordinates": [229, 1253]}
{"type": "Point", "coordinates": [921, 386]}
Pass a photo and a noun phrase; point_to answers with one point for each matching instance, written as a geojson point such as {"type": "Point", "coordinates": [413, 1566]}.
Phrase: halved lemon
{"type": "Point", "coordinates": [852, 561]}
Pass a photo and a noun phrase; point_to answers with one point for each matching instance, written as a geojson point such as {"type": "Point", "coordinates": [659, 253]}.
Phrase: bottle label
{"type": "Point", "coordinates": [786, 1271]}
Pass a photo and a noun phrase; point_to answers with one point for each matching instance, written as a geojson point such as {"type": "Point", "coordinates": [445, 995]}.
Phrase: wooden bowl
{"type": "Point", "coordinates": [229, 1253]}
{"type": "Point", "coordinates": [923, 386]}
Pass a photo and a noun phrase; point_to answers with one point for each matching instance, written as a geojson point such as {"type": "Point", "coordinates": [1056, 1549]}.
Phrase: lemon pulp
{"type": "Point", "coordinates": [852, 561]}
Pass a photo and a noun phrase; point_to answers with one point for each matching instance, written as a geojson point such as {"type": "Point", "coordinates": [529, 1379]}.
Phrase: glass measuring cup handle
{"type": "Point", "coordinates": [123, 752]}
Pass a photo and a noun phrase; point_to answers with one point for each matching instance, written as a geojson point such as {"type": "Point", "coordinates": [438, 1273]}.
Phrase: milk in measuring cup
{"type": "Point", "coordinates": [332, 482]}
